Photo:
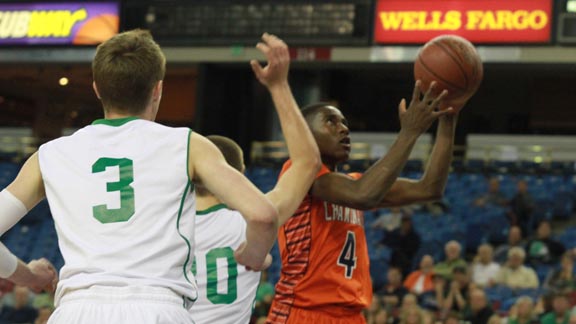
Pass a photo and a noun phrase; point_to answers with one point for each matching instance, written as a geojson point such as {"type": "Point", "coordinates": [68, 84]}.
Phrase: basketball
{"type": "Point", "coordinates": [453, 63]}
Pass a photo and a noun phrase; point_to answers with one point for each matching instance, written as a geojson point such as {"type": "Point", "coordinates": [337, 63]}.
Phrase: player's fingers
{"type": "Point", "coordinates": [436, 102]}
{"type": "Point", "coordinates": [256, 67]}
{"type": "Point", "coordinates": [429, 95]}
{"type": "Point", "coordinates": [402, 107]}
{"type": "Point", "coordinates": [416, 92]}
{"type": "Point", "coordinates": [264, 48]}
{"type": "Point", "coordinates": [448, 111]}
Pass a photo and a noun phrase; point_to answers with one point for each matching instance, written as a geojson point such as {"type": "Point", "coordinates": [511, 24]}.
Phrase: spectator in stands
{"type": "Point", "coordinates": [560, 313]}
{"type": "Point", "coordinates": [480, 312]}
{"type": "Point", "coordinates": [410, 311]}
{"type": "Point", "coordinates": [457, 297]}
{"type": "Point", "coordinates": [484, 269]}
{"type": "Point", "coordinates": [376, 313]}
{"type": "Point", "coordinates": [264, 296]}
{"type": "Point", "coordinates": [391, 220]}
{"type": "Point", "coordinates": [514, 240]}
{"type": "Point", "coordinates": [523, 312]}
{"type": "Point", "coordinates": [21, 311]}
{"type": "Point", "coordinates": [521, 207]}
{"type": "Point", "coordinates": [413, 315]}
{"type": "Point", "coordinates": [493, 197]}
{"type": "Point", "coordinates": [393, 293]}
{"type": "Point", "coordinates": [514, 274]}
{"type": "Point", "coordinates": [404, 242]}
{"type": "Point", "coordinates": [420, 281]}
{"type": "Point", "coordinates": [452, 250]}
{"type": "Point", "coordinates": [452, 318]}
{"type": "Point", "coordinates": [562, 279]}
{"type": "Point", "coordinates": [543, 249]}
{"type": "Point", "coordinates": [43, 315]}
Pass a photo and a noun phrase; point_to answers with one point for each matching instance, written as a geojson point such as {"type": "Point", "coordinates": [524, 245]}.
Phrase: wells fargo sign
{"type": "Point", "coordinates": [480, 21]}
{"type": "Point", "coordinates": [57, 23]}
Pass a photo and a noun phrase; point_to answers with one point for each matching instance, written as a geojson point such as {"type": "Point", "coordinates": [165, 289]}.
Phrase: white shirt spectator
{"type": "Point", "coordinates": [485, 274]}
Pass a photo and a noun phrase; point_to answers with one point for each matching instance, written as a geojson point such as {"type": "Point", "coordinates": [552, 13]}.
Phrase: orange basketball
{"type": "Point", "coordinates": [97, 30]}
{"type": "Point", "coordinates": [453, 63]}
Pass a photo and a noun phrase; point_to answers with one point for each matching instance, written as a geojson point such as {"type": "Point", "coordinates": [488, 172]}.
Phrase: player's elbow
{"type": "Point", "coordinates": [265, 218]}
{"type": "Point", "coordinates": [366, 200]}
{"type": "Point", "coordinates": [431, 191]}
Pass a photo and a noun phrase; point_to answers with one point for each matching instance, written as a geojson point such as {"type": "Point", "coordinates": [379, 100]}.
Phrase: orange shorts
{"type": "Point", "coordinates": [315, 316]}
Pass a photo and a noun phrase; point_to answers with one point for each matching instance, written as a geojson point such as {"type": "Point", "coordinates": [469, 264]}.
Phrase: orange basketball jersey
{"type": "Point", "coordinates": [325, 264]}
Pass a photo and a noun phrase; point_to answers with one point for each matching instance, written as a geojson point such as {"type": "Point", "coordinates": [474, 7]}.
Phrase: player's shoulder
{"type": "Point", "coordinates": [323, 169]}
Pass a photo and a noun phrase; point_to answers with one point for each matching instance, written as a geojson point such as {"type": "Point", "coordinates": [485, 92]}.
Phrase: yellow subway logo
{"type": "Point", "coordinates": [39, 23]}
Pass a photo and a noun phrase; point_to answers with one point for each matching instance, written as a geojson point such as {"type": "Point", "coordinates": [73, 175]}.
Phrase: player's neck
{"type": "Point", "coordinates": [116, 114]}
{"type": "Point", "coordinates": [207, 201]}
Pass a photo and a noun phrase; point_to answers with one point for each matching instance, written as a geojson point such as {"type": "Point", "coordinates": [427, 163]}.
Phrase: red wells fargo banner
{"type": "Point", "coordinates": [480, 21]}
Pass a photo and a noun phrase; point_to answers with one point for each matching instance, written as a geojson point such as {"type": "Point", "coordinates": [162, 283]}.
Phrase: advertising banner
{"type": "Point", "coordinates": [72, 23]}
{"type": "Point", "coordinates": [480, 21]}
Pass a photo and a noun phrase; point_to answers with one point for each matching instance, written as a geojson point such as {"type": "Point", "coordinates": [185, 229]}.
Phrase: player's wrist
{"type": "Point", "coordinates": [279, 86]}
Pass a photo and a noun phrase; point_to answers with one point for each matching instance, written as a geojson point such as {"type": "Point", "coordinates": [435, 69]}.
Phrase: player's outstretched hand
{"type": "Point", "coordinates": [45, 275]}
{"type": "Point", "coordinates": [423, 109]}
{"type": "Point", "coordinates": [276, 70]}
{"type": "Point", "coordinates": [246, 258]}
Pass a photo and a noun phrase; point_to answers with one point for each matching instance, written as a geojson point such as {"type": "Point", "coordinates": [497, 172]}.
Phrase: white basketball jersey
{"type": "Point", "coordinates": [226, 290]}
{"type": "Point", "coordinates": [123, 206]}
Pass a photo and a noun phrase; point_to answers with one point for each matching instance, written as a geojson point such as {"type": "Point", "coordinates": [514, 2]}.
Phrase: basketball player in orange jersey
{"type": "Point", "coordinates": [325, 274]}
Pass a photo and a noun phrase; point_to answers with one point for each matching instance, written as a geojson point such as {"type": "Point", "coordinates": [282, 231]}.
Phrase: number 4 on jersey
{"type": "Point", "coordinates": [347, 258]}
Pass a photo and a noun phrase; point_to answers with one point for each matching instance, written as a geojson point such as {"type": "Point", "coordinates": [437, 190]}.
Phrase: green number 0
{"type": "Point", "coordinates": [212, 275]}
{"type": "Point", "coordinates": [126, 210]}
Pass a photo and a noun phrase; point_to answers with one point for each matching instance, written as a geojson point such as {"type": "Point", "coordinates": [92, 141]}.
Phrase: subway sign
{"type": "Point", "coordinates": [78, 23]}
{"type": "Point", "coordinates": [480, 21]}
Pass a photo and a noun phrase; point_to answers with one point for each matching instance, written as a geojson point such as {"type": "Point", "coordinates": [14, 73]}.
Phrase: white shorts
{"type": "Point", "coordinates": [121, 305]}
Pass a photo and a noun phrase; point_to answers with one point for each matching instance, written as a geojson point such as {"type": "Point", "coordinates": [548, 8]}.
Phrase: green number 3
{"type": "Point", "coordinates": [126, 210]}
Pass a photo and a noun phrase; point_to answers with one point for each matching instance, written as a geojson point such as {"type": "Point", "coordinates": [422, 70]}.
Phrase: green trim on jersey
{"type": "Point", "coordinates": [185, 266]}
{"type": "Point", "coordinates": [114, 122]}
{"type": "Point", "coordinates": [188, 160]}
{"type": "Point", "coordinates": [211, 209]}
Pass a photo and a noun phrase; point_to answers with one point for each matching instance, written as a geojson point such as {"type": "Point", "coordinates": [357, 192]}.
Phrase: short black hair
{"type": "Point", "coordinates": [311, 110]}
{"type": "Point", "coordinates": [230, 149]}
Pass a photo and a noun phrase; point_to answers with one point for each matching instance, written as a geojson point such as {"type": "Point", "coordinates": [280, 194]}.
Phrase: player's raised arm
{"type": "Point", "coordinates": [368, 191]}
{"type": "Point", "coordinates": [207, 165]}
{"type": "Point", "coordinates": [295, 183]}
{"type": "Point", "coordinates": [431, 185]}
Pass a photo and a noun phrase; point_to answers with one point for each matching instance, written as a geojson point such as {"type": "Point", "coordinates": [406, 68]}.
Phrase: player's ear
{"type": "Point", "coordinates": [157, 91]}
{"type": "Point", "coordinates": [96, 89]}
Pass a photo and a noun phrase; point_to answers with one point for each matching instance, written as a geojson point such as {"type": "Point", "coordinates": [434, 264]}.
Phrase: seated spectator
{"type": "Point", "coordinates": [264, 297]}
{"type": "Point", "coordinates": [452, 318]}
{"type": "Point", "coordinates": [484, 269]}
{"type": "Point", "coordinates": [514, 240]}
{"type": "Point", "coordinates": [43, 315]}
{"type": "Point", "coordinates": [413, 315]}
{"type": "Point", "coordinates": [480, 312]}
{"type": "Point", "coordinates": [514, 274]}
{"type": "Point", "coordinates": [562, 279]}
{"type": "Point", "coordinates": [543, 249]}
{"type": "Point", "coordinates": [452, 250]}
{"type": "Point", "coordinates": [21, 311]}
{"type": "Point", "coordinates": [560, 313]}
{"type": "Point", "coordinates": [420, 281]}
{"type": "Point", "coordinates": [523, 312]}
{"type": "Point", "coordinates": [404, 242]}
{"type": "Point", "coordinates": [457, 296]}
{"type": "Point", "coordinates": [372, 312]}
{"type": "Point", "coordinates": [521, 207]}
{"type": "Point", "coordinates": [493, 196]}
{"type": "Point", "coordinates": [393, 293]}
{"type": "Point", "coordinates": [410, 311]}
{"type": "Point", "coordinates": [391, 220]}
